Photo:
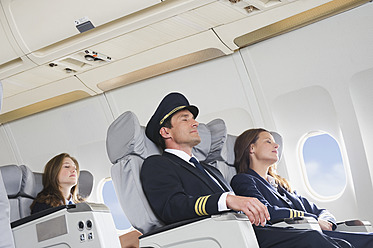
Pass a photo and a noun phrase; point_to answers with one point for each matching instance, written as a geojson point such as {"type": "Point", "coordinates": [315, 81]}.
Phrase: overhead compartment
{"type": "Point", "coordinates": [42, 98]}
{"type": "Point", "coordinates": [162, 59]}
{"type": "Point", "coordinates": [266, 19]}
{"type": "Point", "coordinates": [41, 23]}
{"type": "Point", "coordinates": [12, 60]}
{"type": "Point", "coordinates": [53, 29]}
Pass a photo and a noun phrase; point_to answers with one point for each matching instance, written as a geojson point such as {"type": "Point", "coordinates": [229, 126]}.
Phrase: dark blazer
{"type": "Point", "coordinates": [177, 191]}
{"type": "Point", "coordinates": [39, 207]}
{"type": "Point", "coordinates": [280, 203]}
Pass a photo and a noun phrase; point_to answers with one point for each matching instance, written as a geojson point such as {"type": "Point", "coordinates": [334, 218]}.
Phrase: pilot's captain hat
{"type": "Point", "coordinates": [170, 104]}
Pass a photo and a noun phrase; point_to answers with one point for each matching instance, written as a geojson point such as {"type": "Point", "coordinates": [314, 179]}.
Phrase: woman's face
{"type": "Point", "coordinates": [68, 175]}
{"type": "Point", "coordinates": [265, 148]}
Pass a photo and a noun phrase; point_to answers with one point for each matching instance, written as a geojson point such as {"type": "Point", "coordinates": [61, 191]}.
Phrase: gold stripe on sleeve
{"type": "Point", "coordinates": [196, 206]}
{"type": "Point", "coordinates": [200, 205]}
{"type": "Point", "coordinates": [203, 203]}
{"type": "Point", "coordinates": [291, 213]}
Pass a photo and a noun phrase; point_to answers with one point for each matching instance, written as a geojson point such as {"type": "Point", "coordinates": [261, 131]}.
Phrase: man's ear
{"type": "Point", "coordinates": [164, 133]}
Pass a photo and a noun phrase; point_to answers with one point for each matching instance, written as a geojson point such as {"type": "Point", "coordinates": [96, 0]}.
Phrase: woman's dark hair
{"type": "Point", "coordinates": [51, 193]}
{"type": "Point", "coordinates": [242, 155]}
{"type": "Point", "coordinates": [241, 148]}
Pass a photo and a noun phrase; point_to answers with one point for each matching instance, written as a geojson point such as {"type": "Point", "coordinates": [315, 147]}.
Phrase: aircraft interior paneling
{"type": "Point", "coordinates": [317, 78]}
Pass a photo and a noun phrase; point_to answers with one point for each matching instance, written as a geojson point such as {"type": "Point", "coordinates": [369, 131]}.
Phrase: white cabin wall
{"type": "Point", "coordinates": [251, 88]}
{"type": "Point", "coordinates": [303, 80]}
{"type": "Point", "coordinates": [361, 93]}
{"type": "Point", "coordinates": [217, 87]}
{"type": "Point", "coordinates": [78, 129]}
{"type": "Point", "coordinates": [6, 152]}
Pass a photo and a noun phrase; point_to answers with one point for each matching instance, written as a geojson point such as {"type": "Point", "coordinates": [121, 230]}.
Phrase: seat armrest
{"type": "Point", "coordinates": [354, 226]}
{"type": "Point", "coordinates": [298, 223]}
{"type": "Point", "coordinates": [225, 230]}
{"type": "Point", "coordinates": [80, 225]}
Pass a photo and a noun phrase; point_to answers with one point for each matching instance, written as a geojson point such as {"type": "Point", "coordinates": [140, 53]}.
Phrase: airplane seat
{"type": "Point", "coordinates": [85, 181]}
{"type": "Point", "coordinates": [12, 176]}
{"type": "Point", "coordinates": [6, 236]}
{"type": "Point", "coordinates": [55, 226]}
{"type": "Point", "coordinates": [221, 154]}
{"type": "Point", "coordinates": [27, 193]}
{"type": "Point", "coordinates": [38, 182]}
{"type": "Point", "coordinates": [127, 147]}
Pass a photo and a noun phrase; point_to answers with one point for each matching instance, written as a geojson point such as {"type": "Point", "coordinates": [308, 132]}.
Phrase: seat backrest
{"type": "Point", "coordinates": [85, 180]}
{"type": "Point", "coordinates": [27, 193]}
{"type": "Point", "coordinates": [127, 148]}
{"type": "Point", "coordinates": [12, 176]}
{"type": "Point", "coordinates": [221, 154]}
{"type": "Point", "coordinates": [19, 183]}
{"type": "Point", "coordinates": [6, 236]}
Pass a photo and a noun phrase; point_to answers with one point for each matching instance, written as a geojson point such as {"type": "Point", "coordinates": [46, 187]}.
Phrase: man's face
{"type": "Point", "coordinates": [184, 131]}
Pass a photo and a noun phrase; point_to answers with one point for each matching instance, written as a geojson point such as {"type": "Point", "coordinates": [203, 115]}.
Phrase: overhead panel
{"type": "Point", "coordinates": [63, 51]}
{"type": "Point", "coordinates": [42, 98]}
{"type": "Point", "coordinates": [12, 60]}
{"type": "Point", "coordinates": [266, 19]}
{"type": "Point", "coordinates": [162, 59]}
{"type": "Point", "coordinates": [6, 49]}
{"type": "Point", "coordinates": [59, 33]}
{"type": "Point", "coordinates": [40, 23]}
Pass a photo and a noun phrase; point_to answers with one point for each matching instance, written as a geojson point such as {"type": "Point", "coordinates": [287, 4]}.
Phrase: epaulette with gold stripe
{"type": "Point", "coordinates": [296, 213]}
{"type": "Point", "coordinates": [200, 206]}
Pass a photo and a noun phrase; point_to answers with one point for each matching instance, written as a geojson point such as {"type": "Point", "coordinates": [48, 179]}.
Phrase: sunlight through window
{"type": "Point", "coordinates": [324, 165]}
{"type": "Point", "coordinates": [111, 201]}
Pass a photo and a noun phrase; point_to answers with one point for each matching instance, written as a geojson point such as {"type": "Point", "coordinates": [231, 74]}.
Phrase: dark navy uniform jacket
{"type": "Point", "coordinates": [177, 191]}
{"type": "Point", "coordinates": [280, 203]}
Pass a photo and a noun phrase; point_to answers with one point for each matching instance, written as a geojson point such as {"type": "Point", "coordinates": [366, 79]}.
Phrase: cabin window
{"type": "Point", "coordinates": [323, 164]}
{"type": "Point", "coordinates": [111, 201]}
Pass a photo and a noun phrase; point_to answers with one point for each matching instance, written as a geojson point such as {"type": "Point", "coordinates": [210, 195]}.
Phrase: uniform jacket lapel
{"type": "Point", "coordinates": [175, 159]}
{"type": "Point", "coordinates": [269, 186]}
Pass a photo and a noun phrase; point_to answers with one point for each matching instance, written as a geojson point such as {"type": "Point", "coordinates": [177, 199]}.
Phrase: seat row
{"type": "Point", "coordinates": [128, 147]}
{"type": "Point", "coordinates": [22, 185]}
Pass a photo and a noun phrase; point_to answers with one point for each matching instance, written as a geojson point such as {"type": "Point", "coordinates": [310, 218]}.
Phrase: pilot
{"type": "Point", "coordinates": [6, 237]}
{"type": "Point", "coordinates": [255, 157]}
{"type": "Point", "coordinates": [178, 187]}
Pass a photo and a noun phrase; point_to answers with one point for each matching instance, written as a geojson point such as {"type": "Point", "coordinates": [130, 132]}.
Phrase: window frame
{"type": "Point", "coordinates": [305, 175]}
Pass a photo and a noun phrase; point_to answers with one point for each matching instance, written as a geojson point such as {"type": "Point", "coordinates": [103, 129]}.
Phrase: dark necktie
{"type": "Point", "coordinates": [200, 167]}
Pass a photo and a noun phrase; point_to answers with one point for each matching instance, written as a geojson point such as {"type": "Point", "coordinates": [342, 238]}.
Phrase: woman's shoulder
{"type": "Point", "coordinates": [40, 206]}
{"type": "Point", "coordinates": [242, 177]}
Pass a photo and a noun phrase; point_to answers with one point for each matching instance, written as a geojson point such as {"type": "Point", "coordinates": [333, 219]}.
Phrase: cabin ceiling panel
{"type": "Point", "coordinates": [171, 56]}
{"type": "Point", "coordinates": [65, 38]}
{"type": "Point", "coordinates": [7, 52]}
{"type": "Point", "coordinates": [12, 59]}
{"type": "Point", "coordinates": [42, 98]}
{"type": "Point", "coordinates": [59, 20]}
{"type": "Point", "coordinates": [275, 21]}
